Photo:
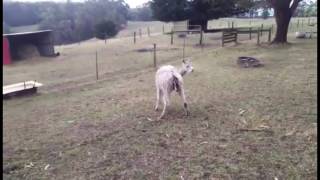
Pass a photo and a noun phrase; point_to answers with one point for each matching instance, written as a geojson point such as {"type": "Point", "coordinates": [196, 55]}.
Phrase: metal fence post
{"type": "Point", "coordinates": [201, 36]}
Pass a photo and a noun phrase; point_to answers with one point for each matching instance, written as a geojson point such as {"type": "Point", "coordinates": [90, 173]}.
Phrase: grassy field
{"type": "Point", "coordinates": [80, 128]}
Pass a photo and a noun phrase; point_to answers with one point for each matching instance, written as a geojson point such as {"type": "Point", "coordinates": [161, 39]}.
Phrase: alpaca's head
{"type": "Point", "coordinates": [187, 66]}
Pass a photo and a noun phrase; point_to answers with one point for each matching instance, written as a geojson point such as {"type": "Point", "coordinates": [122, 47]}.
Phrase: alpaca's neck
{"type": "Point", "coordinates": [183, 72]}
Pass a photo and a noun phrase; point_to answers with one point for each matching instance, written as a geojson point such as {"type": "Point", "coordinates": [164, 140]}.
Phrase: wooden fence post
{"type": "Point", "coordinates": [258, 36]}
{"type": "Point", "coordinates": [201, 36]}
{"type": "Point", "coordinates": [269, 36]}
{"type": "Point", "coordinates": [271, 28]}
{"type": "Point", "coordinates": [163, 28]}
{"type": "Point", "coordinates": [97, 65]}
{"type": "Point", "coordinates": [289, 27]}
{"type": "Point", "coordinates": [184, 44]}
{"type": "Point", "coordinates": [222, 38]}
{"type": "Point", "coordinates": [250, 33]}
{"type": "Point", "coordinates": [134, 37]}
{"type": "Point", "coordinates": [236, 36]}
{"type": "Point", "coordinates": [154, 56]}
{"type": "Point", "coordinates": [140, 33]}
{"type": "Point", "coordinates": [261, 29]}
{"type": "Point", "coordinates": [148, 31]}
{"type": "Point", "coordinates": [171, 37]}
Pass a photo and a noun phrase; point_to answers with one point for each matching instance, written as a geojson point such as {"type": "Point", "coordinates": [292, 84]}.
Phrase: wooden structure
{"type": "Point", "coordinates": [180, 26]}
{"type": "Point", "coordinates": [6, 51]}
{"type": "Point", "coordinates": [228, 36]}
{"type": "Point", "coordinates": [42, 40]}
{"type": "Point", "coordinates": [258, 31]}
{"type": "Point", "coordinates": [187, 29]}
{"type": "Point", "coordinates": [18, 89]}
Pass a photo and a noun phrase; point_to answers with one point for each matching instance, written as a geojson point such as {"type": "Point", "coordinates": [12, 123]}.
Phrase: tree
{"type": "Point", "coordinates": [283, 11]}
{"type": "Point", "coordinates": [311, 9]}
{"type": "Point", "coordinates": [198, 11]}
{"type": "Point", "coordinates": [105, 29]}
{"type": "Point", "coordinates": [71, 21]}
{"type": "Point", "coordinates": [203, 10]}
{"type": "Point", "coordinates": [170, 10]}
{"type": "Point", "coordinates": [300, 11]}
{"type": "Point", "coordinates": [20, 14]}
{"type": "Point", "coordinates": [142, 13]}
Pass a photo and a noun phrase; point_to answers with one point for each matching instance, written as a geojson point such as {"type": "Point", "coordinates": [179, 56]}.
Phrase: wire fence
{"type": "Point", "coordinates": [96, 60]}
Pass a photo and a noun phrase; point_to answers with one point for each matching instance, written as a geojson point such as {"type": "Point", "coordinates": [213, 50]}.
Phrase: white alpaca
{"type": "Point", "coordinates": [169, 78]}
{"type": "Point", "coordinates": [303, 35]}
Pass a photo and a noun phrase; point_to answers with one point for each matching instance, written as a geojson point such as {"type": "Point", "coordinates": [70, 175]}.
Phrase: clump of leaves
{"type": "Point", "coordinates": [105, 29]}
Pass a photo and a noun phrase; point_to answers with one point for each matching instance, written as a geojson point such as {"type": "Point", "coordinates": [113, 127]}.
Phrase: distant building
{"type": "Point", "coordinates": [14, 44]}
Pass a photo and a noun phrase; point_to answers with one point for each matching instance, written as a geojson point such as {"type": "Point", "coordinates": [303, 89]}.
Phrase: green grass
{"type": "Point", "coordinates": [88, 129]}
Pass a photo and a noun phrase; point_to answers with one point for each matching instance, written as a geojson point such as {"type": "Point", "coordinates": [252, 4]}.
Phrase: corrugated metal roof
{"type": "Point", "coordinates": [26, 33]}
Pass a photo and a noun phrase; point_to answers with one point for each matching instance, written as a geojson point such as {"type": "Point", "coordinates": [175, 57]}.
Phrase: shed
{"type": "Point", "coordinates": [6, 51]}
{"type": "Point", "coordinates": [22, 45]}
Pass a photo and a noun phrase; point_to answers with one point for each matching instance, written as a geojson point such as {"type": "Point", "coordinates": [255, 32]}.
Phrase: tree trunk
{"type": "Point", "coordinates": [202, 23]}
{"type": "Point", "coordinates": [282, 20]}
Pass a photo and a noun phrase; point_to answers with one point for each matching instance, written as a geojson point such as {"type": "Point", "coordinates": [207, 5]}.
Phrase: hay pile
{"type": "Point", "coordinates": [27, 51]}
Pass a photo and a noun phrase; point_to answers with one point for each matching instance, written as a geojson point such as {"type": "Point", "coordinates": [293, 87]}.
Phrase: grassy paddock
{"type": "Point", "coordinates": [78, 128]}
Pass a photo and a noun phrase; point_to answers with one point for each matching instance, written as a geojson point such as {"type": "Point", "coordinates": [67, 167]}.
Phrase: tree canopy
{"type": "Point", "coordinates": [105, 29]}
{"type": "Point", "coordinates": [198, 11]}
{"type": "Point", "coordinates": [142, 13]}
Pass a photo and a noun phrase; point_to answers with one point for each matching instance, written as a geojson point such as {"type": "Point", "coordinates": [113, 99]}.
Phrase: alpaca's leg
{"type": "Point", "coordinates": [158, 99]}
{"type": "Point", "coordinates": [164, 106]}
{"type": "Point", "coordinates": [185, 104]}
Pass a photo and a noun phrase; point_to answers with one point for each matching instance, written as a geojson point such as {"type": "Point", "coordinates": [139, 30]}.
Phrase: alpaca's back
{"type": "Point", "coordinates": [166, 73]}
